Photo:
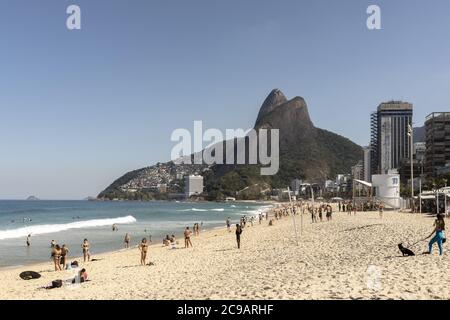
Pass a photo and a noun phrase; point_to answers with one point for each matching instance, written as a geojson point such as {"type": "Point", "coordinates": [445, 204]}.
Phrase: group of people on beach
{"type": "Point", "coordinates": [59, 253]}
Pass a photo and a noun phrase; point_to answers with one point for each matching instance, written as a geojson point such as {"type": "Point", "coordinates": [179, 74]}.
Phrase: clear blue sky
{"type": "Point", "coordinates": [80, 108]}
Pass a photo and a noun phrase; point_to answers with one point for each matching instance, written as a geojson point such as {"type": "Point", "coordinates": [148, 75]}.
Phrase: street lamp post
{"type": "Point", "coordinates": [293, 216]}
{"type": "Point", "coordinates": [410, 131]}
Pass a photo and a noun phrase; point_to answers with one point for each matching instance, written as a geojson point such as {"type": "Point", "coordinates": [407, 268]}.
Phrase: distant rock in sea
{"type": "Point", "coordinates": [32, 198]}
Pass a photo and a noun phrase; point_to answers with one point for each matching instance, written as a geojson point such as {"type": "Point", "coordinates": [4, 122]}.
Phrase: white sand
{"type": "Point", "coordinates": [352, 257]}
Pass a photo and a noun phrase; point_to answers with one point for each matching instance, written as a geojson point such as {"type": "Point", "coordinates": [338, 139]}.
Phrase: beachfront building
{"type": "Point", "coordinates": [389, 135]}
{"type": "Point", "coordinates": [386, 188]}
{"type": "Point", "coordinates": [437, 156]}
{"type": "Point", "coordinates": [374, 143]}
{"type": "Point", "coordinates": [296, 185]}
{"type": "Point", "coordinates": [358, 171]}
{"type": "Point", "coordinates": [193, 185]}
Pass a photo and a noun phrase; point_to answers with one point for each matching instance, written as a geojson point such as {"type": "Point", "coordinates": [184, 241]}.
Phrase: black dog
{"type": "Point", "coordinates": [405, 251]}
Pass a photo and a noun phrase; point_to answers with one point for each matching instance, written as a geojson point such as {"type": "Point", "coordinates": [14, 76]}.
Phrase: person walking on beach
{"type": "Point", "coordinates": [187, 238]}
{"type": "Point", "coordinates": [28, 240]}
{"type": "Point", "coordinates": [380, 210]}
{"type": "Point", "coordinates": [86, 246]}
{"type": "Point", "coordinates": [439, 228]}
{"type": "Point", "coordinates": [238, 235]}
{"type": "Point", "coordinates": [228, 224]}
{"type": "Point", "coordinates": [143, 248]}
{"type": "Point", "coordinates": [127, 240]}
{"type": "Point", "coordinates": [56, 255]}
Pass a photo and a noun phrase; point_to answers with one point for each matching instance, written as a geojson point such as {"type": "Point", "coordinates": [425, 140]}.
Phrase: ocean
{"type": "Point", "coordinates": [69, 222]}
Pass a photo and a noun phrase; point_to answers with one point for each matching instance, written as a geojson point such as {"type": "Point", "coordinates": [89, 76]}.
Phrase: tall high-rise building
{"type": "Point", "coordinates": [389, 135]}
{"type": "Point", "coordinates": [437, 154]}
{"type": "Point", "coordinates": [374, 143]}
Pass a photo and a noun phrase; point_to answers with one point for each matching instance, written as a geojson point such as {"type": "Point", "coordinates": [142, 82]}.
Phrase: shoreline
{"type": "Point", "coordinates": [334, 260]}
{"type": "Point", "coordinates": [178, 235]}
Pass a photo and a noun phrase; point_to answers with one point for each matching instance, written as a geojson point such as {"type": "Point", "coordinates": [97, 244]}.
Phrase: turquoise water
{"type": "Point", "coordinates": [69, 222]}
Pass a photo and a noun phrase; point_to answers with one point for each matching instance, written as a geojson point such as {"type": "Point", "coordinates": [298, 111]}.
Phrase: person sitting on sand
{"type": "Point", "coordinates": [143, 247]}
{"type": "Point", "coordinates": [166, 241]}
{"type": "Point", "coordinates": [127, 240]}
{"type": "Point", "coordinates": [439, 228]}
{"type": "Point", "coordinates": [238, 235]}
{"type": "Point", "coordinates": [86, 246]}
{"type": "Point", "coordinates": [56, 255]}
{"type": "Point", "coordinates": [81, 277]}
{"type": "Point", "coordinates": [64, 254]}
{"type": "Point", "coordinates": [187, 238]}
{"type": "Point", "coordinates": [173, 242]}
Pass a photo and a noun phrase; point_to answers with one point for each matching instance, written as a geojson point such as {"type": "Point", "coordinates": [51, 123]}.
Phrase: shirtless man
{"type": "Point", "coordinates": [187, 238]}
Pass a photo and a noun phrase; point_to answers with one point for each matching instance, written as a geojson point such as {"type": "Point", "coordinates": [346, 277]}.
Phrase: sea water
{"type": "Point", "coordinates": [69, 222]}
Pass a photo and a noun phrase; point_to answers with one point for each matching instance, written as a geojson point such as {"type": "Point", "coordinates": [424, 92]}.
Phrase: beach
{"type": "Point", "coordinates": [351, 257]}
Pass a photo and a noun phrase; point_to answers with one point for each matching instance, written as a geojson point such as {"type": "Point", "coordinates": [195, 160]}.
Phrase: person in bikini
{"type": "Point", "coordinates": [56, 254]}
{"type": "Point", "coordinates": [143, 248]}
{"type": "Point", "coordinates": [127, 240]}
{"type": "Point", "coordinates": [187, 238]}
{"type": "Point", "coordinates": [86, 254]}
{"type": "Point", "coordinates": [64, 253]}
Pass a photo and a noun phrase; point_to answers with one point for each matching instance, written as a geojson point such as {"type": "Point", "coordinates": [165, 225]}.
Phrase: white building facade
{"type": "Point", "coordinates": [193, 185]}
{"type": "Point", "coordinates": [386, 188]}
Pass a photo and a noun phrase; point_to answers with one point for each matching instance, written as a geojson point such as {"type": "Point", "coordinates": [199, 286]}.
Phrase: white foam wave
{"type": "Point", "coordinates": [201, 210]}
{"type": "Point", "coordinates": [53, 228]}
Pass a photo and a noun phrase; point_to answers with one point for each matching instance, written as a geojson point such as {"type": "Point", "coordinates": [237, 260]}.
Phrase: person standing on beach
{"type": "Point", "coordinates": [64, 254]}
{"type": "Point", "coordinates": [143, 248]}
{"type": "Point", "coordinates": [238, 235]}
{"type": "Point", "coordinates": [340, 206]}
{"type": "Point", "coordinates": [380, 210]}
{"type": "Point", "coordinates": [86, 246]}
{"type": "Point", "coordinates": [329, 212]}
{"type": "Point", "coordinates": [56, 254]}
{"type": "Point", "coordinates": [439, 228]}
{"type": "Point", "coordinates": [187, 238]}
{"type": "Point", "coordinates": [127, 240]}
{"type": "Point", "coordinates": [28, 240]}
{"type": "Point", "coordinates": [228, 224]}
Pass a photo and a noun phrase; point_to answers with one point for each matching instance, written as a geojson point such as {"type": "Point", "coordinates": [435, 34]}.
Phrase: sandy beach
{"type": "Point", "coordinates": [351, 257]}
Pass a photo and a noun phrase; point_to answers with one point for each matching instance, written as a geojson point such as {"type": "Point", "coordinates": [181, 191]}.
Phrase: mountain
{"type": "Point", "coordinates": [306, 152]}
{"type": "Point", "coordinates": [419, 134]}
